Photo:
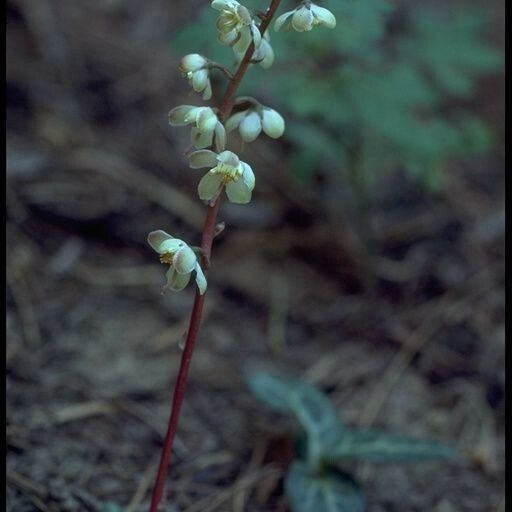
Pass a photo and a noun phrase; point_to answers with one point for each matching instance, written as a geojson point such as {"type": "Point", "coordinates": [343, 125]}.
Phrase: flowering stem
{"type": "Point", "coordinates": [209, 232]}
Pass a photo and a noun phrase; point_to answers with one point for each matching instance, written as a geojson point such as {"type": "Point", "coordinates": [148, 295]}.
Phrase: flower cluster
{"type": "Point", "coordinates": [243, 31]}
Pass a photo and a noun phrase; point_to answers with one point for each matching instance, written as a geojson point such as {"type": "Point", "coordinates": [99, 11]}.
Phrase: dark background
{"type": "Point", "coordinates": [405, 330]}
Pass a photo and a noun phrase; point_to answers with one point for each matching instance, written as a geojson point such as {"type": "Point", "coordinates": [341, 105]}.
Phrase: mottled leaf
{"type": "Point", "coordinates": [312, 409]}
{"type": "Point", "coordinates": [328, 491]}
{"type": "Point", "coordinates": [381, 447]}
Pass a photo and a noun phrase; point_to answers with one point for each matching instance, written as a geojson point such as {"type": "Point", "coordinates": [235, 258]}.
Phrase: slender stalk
{"type": "Point", "coordinates": [197, 309]}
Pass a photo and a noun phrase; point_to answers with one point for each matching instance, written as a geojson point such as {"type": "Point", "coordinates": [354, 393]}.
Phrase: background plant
{"type": "Point", "coordinates": [315, 481]}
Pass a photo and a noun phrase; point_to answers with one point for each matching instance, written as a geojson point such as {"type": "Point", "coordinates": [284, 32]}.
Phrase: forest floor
{"type": "Point", "coordinates": [407, 335]}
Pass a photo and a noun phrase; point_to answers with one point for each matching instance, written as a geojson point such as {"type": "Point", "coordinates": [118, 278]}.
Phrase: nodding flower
{"type": "Point", "coordinates": [182, 261]}
{"type": "Point", "coordinates": [208, 129]}
{"type": "Point", "coordinates": [227, 171]}
{"type": "Point", "coordinates": [252, 121]}
{"type": "Point", "coordinates": [305, 17]}
{"type": "Point", "coordinates": [235, 23]}
{"type": "Point", "coordinates": [195, 68]}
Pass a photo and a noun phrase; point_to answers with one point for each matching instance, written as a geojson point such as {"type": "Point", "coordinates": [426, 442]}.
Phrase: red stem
{"type": "Point", "coordinates": [197, 309]}
{"type": "Point", "coordinates": [186, 358]}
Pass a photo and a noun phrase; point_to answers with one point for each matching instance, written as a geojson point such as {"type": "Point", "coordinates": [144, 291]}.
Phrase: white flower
{"type": "Point", "coordinates": [235, 24]}
{"type": "Point", "coordinates": [182, 261]}
{"type": "Point", "coordinates": [228, 171]}
{"type": "Point", "coordinates": [263, 55]}
{"type": "Point", "coordinates": [207, 129]}
{"type": "Point", "coordinates": [195, 68]}
{"type": "Point", "coordinates": [251, 122]}
{"type": "Point", "coordinates": [305, 17]}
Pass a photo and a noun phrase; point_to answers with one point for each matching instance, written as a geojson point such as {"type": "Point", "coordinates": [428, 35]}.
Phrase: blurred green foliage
{"type": "Point", "coordinates": [384, 90]}
{"type": "Point", "coordinates": [315, 482]}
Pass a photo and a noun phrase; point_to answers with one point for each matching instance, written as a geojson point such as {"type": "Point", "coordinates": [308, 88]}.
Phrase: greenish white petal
{"type": "Point", "coordinates": [248, 176]}
{"type": "Point", "coordinates": [228, 158]}
{"type": "Point", "coordinates": [171, 245]}
{"type": "Point", "coordinates": [250, 127]}
{"type": "Point", "coordinates": [273, 123]}
{"type": "Point", "coordinates": [209, 186]}
{"type": "Point", "coordinates": [192, 62]}
{"type": "Point", "coordinates": [156, 238]}
{"type": "Point", "coordinates": [233, 122]}
{"type": "Point", "coordinates": [202, 158]}
{"type": "Point", "coordinates": [323, 16]}
{"type": "Point", "coordinates": [200, 279]}
{"type": "Point", "coordinates": [207, 93]}
{"type": "Point", "coordinates": [281, 20]}
{"type": "Point", "coordinates": [178, 115]}
{"type": "Point", "coordinates": [302, 19]}
{"type": "Point", "coordinates": [238, 192]}
{"type": "Point", "coordinates": [200, 80]}
{"type": "Point", "coordinates": [220, 137]}
{"type": "Point", "coordinates": [201, 139]}
{"type": "Point", "coordinates": [184, 260]}
{"type": "Point", "coordinates": [221, 5]}
{"type": "Point", "coordinates": [176, 281]}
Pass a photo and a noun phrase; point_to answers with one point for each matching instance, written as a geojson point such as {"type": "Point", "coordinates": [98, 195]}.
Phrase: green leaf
{"type": "Point", "coordinates": [381, 447]}
{"type": "Point", "coordinates": [328, 491]}
{"type": "Point", "coordinates": [308, 405]}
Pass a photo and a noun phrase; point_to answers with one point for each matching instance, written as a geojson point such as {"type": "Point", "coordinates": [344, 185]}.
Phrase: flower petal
{"type": "Point", "coordinates": [267, 54]}
{"type": "Point", "coordinates": [250, 127]}
{"type": "Point", "coordinates": [302, 20]}
{"type": "Point", "coordinates": [256, 35]}
{"type": "Point", "coordinates": [281, 20]}
{"type": "Point", "coordinates": [228, 158]}
{"type": "Point", "coordinates": [273, 123]}
{"type": "Point", "coordinates": [228, 38]}
{"type": "Point", "coordinates": [206, 120]}
{"type": "Point", "coordinates": [200, 279]}
{"type": "Point", "coordinates": [176, 282]}
{"type": "Point", "coordinates": [202, 158]}
{"type": "Point", "coordinates": [199, 80]}
{"type": "Point", "coordinates": [323, 16]}
{"type": "Point", "coordinates": [209, 186]}
{"type": "Point", "coordinates": [172, 245]}
{"type": "Point", "coordinates": [201, 139]}
{"type": "Point", "coordinates": [192, 62]}
{"type": "Point", "coordinates": [248, 176]}
{"type": "Point", "coordinates": [207, 93]}
{"type": "Point", "coordinates": [238, 192]}
{"type": "Point", "coordinates": [155, 239]}
{"type": "Point", "coordinates": [177, 115]}
{"type": "Point", "coordinates": [184, 261]}
{"type": "Point", "coordinates": [220, 137]}
{"type": "Point", "coordinates": [234, 121]}
{"type": "Point", "coordinates": [219, 5]}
